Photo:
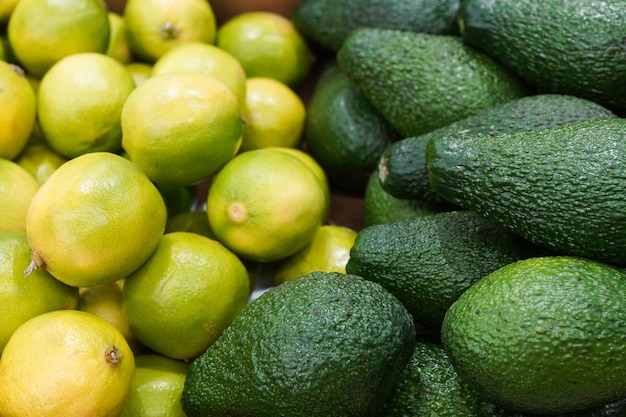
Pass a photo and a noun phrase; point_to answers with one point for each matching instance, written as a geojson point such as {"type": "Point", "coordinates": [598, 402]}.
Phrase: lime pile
{"type": "Point", "coordinates": [174, 238]}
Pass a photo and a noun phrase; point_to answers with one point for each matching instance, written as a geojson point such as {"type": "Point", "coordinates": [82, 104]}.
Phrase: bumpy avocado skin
{"type": "Point", "coordinates": [325, 344]}
{"type": "Point", "coordinates": [561, 188]}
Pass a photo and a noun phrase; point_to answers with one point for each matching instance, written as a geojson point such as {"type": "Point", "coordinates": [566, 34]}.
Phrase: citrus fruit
{"type": "Point", "coordinates": [65, 363]}
{"type": "Point", "coordinates": [140, 71]}
{"type": "Point", "coordinates": [92, 85]}
{"type": "Point", "coordinates": [106, 301]}
{"type": "Point", "coordinates": [17, 189]}
{"type": "Point", "coordinates": [22, 298]}
{"type": "Point", "coordinates": [156, 387]}
{"type": "Point", "coordinates": [190, 221]}
{"type": "Point", "coordinates": [41, 32]}
{"type": "Point", "coordinates": [118, 47]}
{"type": "Point", "coordinates": [274, 115]}
{"type": "Point", "coordinates": [267, 45]}
{"type": "Point", "coordinates": [180, 128]}
{"type": "Point", "coordinates": [265, 204]}
{"type": "Point", "coordinates": [6, 8]}
{"type": "Point", "coordinates": [319, 172]}
{"type": "Point", "coordinates": [182, 298]}
{"type": "Point", "coordinates": [18, 103]}
{"type": "Point", "coordinates": [40, 161]}
{"type": "Point", "coordinates": [95, 220]}
{"type": "Point", "coordinates": [156, 26]}
{"type": "Point", "coordinates": [329, 251]}
{"type": "Point", "coordinates": [208, 59]}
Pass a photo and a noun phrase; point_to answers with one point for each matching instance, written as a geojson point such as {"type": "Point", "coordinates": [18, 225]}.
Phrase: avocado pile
{"type": "Point", "coordinates": [491, 143]}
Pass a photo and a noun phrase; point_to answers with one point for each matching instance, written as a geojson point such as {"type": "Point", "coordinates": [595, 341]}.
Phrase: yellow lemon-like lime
{"type": "Point", "coordinates": [92, 85]}
{"type": "Point", "coordinates": [267, 45]}
{"type": "Point", "coordinates": [153, 27]}
{"type": "Point", "coordinates": [40, 161]}
{"type": "Point", "coordinates": [190, 221]}
{"type": "Point", "coordinates": [95, 220]}
{"type": "Point", "coordinates": [65, 363]}
{"type": "Point", "coordinates": [329, 251]}
{"type": "Point", "coordinates": [106, 301]}
{"type": "Point", "coordinates": [265, 204]}
{"type": "Point", "coordinates": [19, 108]}
{"type": "Point", "coordinates": [317, 170]}
{"type": "Point", "coordinates": [41, 32]}
{"type": "Point", "coordinates": [6, 8]}
{"type": "Point", "coordinates": [181, 300]}
{"type": "Point", "coordinates": [21, 298]}
{"type": "Point", "coordinates": [17, 189]}
{"type": "Point", "coordinates": [274, 115]}
{"type": "Point", "coordinates": [180, 128]}
{"type": "Point", "coordinates": [207, 59]}
{"type": "Point", "coordinates": [156, 388]}
{"type": "Point", "coordinates": [140, 71]}
{"type": "Point", "coordinates": [118, 47]}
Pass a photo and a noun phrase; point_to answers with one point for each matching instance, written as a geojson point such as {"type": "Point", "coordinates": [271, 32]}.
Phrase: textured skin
{"type": "Point", "coordinates": [542, 335]}
{"type": "Point", "coordinates": [561, 46]}
{"type": "Point", "coordinates": [562, 188]}
{"type": "Point", "coordinates": [343, 132]}
{"type": "Point", "coordinates": [420, 82]}
{"type": "Point", "coordinates": [326, 344]}
{"type": "Point", "coordinates": [403, 163]}
{"type": "Point", "coordinates": [329, 22]}
{"type": "Point", "coordinates": [427, 262]}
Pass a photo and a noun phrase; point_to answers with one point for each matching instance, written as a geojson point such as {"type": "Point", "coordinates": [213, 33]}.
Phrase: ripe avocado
{"type": "Point", "coordinates": [562, 187]}
{"type": "Point", "coordinates": [340, 17]}
{"type": "Point", "coordinates": [428, 261]}
{"type": "Point", "coordinates": [402, 165]}
{"type": "Point", "coordinates": [324, 345]}
{"type": "Point", "coordinates": [569, 47]}
{"type": "Point", "coordinates": [420, 81]}
{"type": "Point", "coordinates": [343, 132]}
{"type": "Point", "coordinates": [542, 335]}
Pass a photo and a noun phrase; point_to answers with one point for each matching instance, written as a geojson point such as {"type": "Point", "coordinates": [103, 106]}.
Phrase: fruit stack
{"type": "Point", "coordinates": [325, 208]}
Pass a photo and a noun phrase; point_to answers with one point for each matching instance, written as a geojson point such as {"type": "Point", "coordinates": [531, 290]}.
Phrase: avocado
{"type": "Point", "coordinates": [428, 261]}
{"type": "Point", "coordinates": [542, 335]}
{"type": "Point", "coordinates": [568, 47]}
{"type": "Point", "coordinates": [402, 165]}
{"type": "Point", "coordinates": [561, 188]}
{"type": "Point", "coordinates": [420, 81]}
{"type": "Point", "coordinates": [381, 207]}
{"type": "Point", "coordinates": [430, 387]}
{"type": "Point", "coordinates": [343, 132]}
{"type": "Point", "coordinates": [324, 345]}
{"type": "Point", "coordinates": [340, 17]}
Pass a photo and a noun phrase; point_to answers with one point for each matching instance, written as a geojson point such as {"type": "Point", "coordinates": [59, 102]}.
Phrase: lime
{"type": "Point", "coordinates": [18, 103]}
{"type": "Point", "coordinates": [17, 189]}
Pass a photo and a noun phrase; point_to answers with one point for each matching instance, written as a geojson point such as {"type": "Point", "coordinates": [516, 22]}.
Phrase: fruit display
{"type": "Point", "coordinates": [350, 208]}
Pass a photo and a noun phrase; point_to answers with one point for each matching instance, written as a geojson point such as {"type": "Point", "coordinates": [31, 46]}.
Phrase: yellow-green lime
{"type": "Point", "coordinates": [41, 32]}
{"type": "Point", "coordinates": [17, 189]}
{"type": "Point", "coordinates": [268, 45]}
{"type": "Point", "coordinates": [329, 251]}
{"type": "Point", "coordinates": [92, 85]}
{"type": "Point", "coordinates": [265, 204]}
{"type": "Point", "coordinates": [140, 71]}
{"type": "Point", "coordinates": [95, 220]}
{"type": "Point", "coordinates": [180, 128]}
{"type": "Point", "coordinates": [106, 301]}
{"type": "Point", "coordinates": [40, 161]}
{"type": "Point", "coordinates": [190, 221]}
{"type": "Point", "coordinates": [19, 108]}
{"type": "Point", "coordinates": [317, 169]}
{"type": "Point", "coordinates": [6, 8]}
{"type": "Point", "coordinates": [184, 296]}
{"type": "Point", "coordinates": [65, 363]}
{"type": "Point", "coordinates": [118, 47]}
{"type": "Point", "coordinates": [23, 298]}
{"type": "Point", "coordinates": [274, 115]}
{"type": "Point", "coordinates": [207, 59]}
{"type": "Point", "coordinates": [153, 27]}
{"type": "Point", "coordinates": [156, 387]}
